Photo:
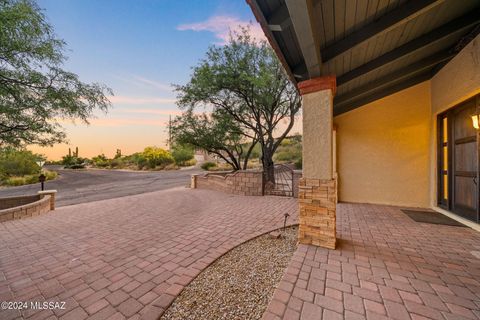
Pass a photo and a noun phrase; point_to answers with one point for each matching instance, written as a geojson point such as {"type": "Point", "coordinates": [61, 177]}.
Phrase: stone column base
{"type": "Point", "coordinates": [317, 217]}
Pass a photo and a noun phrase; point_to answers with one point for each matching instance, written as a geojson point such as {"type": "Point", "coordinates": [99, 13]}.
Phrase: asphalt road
{"type": "Point", "coordinates": [79, 186]}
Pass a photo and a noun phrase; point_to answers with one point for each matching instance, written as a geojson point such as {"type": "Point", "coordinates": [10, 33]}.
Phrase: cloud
{"type": "Point", "coordinates": [142, 82]}
{"type": "Point", "coordinates": [140, 100]}
{"type": "Point", "coordinates": [155, 84]}
{"type": "Point", "coordinates": [222, 25]}
{"type": "Point", "coordinates": [153, 111]}
{"type": "Point", "coordinates": [127, 122]}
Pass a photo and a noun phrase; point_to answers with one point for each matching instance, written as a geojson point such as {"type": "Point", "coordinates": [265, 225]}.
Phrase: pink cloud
{"type": "Point", "coordinates": [221, 26]}
{"type": "Point", "coordinates": [153, 111]}
{"type": "Point", "coordinates": [155, 84]}
{"type": "Point", "coordinates": [140, 100]}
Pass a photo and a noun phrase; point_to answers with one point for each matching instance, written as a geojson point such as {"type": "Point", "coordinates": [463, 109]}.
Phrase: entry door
{"type": "Point", "coordinates": [465, 162]}
{"type": "Point", "coordinates": [459, 161]}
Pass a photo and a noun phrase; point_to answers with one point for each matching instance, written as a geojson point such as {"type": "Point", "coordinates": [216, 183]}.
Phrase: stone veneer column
{"type": "Point", "coordinates": [317, 187]}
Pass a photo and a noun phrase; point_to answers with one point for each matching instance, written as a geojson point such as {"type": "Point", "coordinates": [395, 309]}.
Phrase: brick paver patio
{"type": "Point", "coordinates": [127, 257]}
{"type": "Point", "coordinates": [386, 267]}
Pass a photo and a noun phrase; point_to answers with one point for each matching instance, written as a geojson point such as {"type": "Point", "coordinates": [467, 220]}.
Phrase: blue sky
{"type": "Point", "coordinates": [138, 48]}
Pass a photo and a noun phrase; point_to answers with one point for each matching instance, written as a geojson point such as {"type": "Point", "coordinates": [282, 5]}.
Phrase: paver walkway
{"type": "Point", "coordinates": [127, 257]}
{"type": "Point", "coordinates": [386, 267]}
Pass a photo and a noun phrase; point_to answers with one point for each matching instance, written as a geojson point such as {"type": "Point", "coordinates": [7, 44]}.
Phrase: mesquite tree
{"type": "Point", "coordinates": [35, 92]}
{"type": "Point", "coordinates": [217, 133]}
{"type": "Point", "coordinates": [245, 80]}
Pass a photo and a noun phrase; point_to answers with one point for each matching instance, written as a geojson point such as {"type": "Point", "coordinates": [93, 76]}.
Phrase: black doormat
{"type": "Point", "coordinates": [432, 217]}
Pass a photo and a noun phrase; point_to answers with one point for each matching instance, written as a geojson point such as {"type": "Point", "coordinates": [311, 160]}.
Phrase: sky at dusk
{"type": "Point", "coordinates": [137, 48]}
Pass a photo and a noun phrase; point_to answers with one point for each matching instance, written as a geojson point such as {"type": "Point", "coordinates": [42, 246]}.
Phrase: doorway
{"type": "Point", "coordinates": [458, 160]}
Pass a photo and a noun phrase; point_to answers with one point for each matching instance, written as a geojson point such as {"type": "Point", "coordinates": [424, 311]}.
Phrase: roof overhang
{"type": "Point", "coordinates": [373, 47]}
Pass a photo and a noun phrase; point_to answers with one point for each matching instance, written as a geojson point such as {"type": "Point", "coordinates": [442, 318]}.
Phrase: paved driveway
{"type": "Point", "coordinates": [79, 186]}
{"type": "Point", "coordinates": [126, 257]}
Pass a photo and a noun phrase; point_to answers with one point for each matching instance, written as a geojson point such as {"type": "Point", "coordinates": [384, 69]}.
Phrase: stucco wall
{"type": "Point", "coordinates": [454, 83]}
{"type": "Point", "coordinates": [458, 80]}
{"type": "Point", "coordinates": [383, 150]}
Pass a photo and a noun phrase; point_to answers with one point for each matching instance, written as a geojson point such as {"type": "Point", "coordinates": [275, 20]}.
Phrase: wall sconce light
{"type": "Point", "coordinates": [475, 120]}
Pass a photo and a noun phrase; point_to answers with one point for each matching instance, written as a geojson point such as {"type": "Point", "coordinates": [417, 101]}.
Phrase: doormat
{"type": "Point", "coordinates": [432, 217]}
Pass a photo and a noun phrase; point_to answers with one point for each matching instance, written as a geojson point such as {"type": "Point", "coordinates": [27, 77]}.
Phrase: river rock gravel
{"type": "Point", "coordinates": [239, 284]}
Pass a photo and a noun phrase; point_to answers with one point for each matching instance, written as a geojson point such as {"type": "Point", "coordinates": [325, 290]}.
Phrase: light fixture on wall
{"type": "Point", "coordinates": [475, 120]}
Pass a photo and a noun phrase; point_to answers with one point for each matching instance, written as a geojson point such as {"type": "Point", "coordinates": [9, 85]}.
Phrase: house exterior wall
{"type": "Point", "coordinates": [455, 82]}
{"type": "Point", "coordinates": [383, 150]}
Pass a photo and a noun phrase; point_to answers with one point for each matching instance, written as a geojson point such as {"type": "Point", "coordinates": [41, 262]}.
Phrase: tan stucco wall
{"type": "Point", "coordinates": [454, 83]}
{"type": "Point", "coordinates": [383, 150]}
{"type": "Point", "coordinates": [317, 108]}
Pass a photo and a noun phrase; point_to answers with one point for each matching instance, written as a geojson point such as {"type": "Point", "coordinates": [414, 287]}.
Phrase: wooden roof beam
{"type": "Point", "coordinates": [300, 18]}
{"type": "Point", "coordinates": [279, 19]}
{"type": "Point", "coordinates": [383, 92]}
{"type": "Point", "coordinates": [417, 67]}
{"type": "Point", "coordinates": [431, 37]}
{"type": "Point", "coordinates": [388, 21]}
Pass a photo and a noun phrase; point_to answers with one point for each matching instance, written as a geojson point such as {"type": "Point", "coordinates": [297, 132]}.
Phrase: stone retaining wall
{"type": "Point", "coordinates": [14, 208]}
{"type": "Point", "coordinates": [242, 182]}
{"type": "Point", "coordinates": [10, 202]}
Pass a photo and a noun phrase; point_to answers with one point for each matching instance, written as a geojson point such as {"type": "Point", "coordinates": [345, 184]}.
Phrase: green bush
{"type": "Point", "coordinates": [208, 165]}
{"type": "Point", "coordinates": [100, 161]}
{"type": "Point", "coordinates": [182, 154]}
{"type": "Point", "coordinates": [73, 162]}
{"type": "Point", "coordinates": [299, 164]}
{"type": "Point", "coordinates": [29, 179]}
{"type": "Point", "coordinates": [157, 157]}
{"type": "Point", "coordinates": [18, 162]}
{"type": "Point", "coordinates": [15, 181]}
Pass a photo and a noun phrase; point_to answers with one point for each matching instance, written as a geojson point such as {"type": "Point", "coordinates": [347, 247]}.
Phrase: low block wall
{"type": "Point", "coordinates": [14, 208]}
{"type": "Point", "coordinates": [242, 182]}
{"type": "Point", "coordinates": [10, 202]}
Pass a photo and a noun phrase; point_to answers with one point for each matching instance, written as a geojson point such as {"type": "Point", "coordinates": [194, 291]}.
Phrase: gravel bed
{"type": "Point", "coordinates": [239, 284]}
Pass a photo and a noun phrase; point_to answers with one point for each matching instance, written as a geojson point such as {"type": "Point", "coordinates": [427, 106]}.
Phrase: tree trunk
{"type": "Point", "coordinates": [268, 168]}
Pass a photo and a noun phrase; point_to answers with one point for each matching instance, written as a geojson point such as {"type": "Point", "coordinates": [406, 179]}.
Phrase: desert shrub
{"type": "Point", "coordinates": [14, 181]}
{"type": "Point", "coordinates": [298, 163]}
{"type": "Point", "coordinates": [29, 179]}
{"type": "Point", "coordinates": [100, 161]}
{"type": "Point", "coordinates": [73, 162]}
{"type": "Point", "coordinates": [15, 162]}
{"type": "Point", "coordinates": [182, 154]}
{"type": "Point", "coordinates": [77, 166]}
{"type": "Point", "coordinates": [190, 163]}
{"type": "Point", "coordinates": [208, 165]}
{"type": "Point", "coordinates": [157, 157]}
{"type": "Point", "coordinates": [117, 163]}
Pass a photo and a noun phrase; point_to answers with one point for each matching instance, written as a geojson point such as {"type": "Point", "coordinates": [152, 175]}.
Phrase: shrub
{"type": "Point", "coordinates": [298, 163]}
{"type": "Point", "coordinates": [182, 154]}
{"type": "Point", "coordinates": [29, 179]}
{"type": "Point", "coordinates": [100, 161]}
{"type": "Point", "coordinates": [208, 165]}
{"type": "Point", "coordinates": [157, 157]}
{"type": "Point", "coordinates": [14, 181]}
{"type": "Point", "coordinates": [18, 162]}
{"type": "Point", "coordinates": [190, 163]}
{"type": "Point", "coordinates": [116, 163]}
{"type": "Point", "coordinates": [77, 166]}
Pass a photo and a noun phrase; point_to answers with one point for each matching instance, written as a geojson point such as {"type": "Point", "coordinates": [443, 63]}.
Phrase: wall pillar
{"type": "Point", "coordinates": [317, 188]}
{"type": "Point", "coordinates": [50, 193]}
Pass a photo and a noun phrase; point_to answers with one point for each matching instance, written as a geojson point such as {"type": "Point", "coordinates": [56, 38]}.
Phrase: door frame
{"type": "Point", "coordinates": [441, 201]}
